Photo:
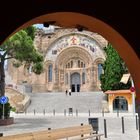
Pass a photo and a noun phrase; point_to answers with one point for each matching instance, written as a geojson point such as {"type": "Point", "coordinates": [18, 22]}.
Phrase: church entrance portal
{"type": "Point", "coordinates": [75, 82]}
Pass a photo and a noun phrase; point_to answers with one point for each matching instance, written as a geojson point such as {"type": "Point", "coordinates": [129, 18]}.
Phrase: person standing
{"type": "Point", "coordinates": [66, 92]}
{"type": "Point", "coordinates": [70, 91]}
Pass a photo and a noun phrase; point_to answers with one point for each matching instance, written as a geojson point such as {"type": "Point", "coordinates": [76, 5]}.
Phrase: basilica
{"type": "Point", "coordinates": [72, 59]}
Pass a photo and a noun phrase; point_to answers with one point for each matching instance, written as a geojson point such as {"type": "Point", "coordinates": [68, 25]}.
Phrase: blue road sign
{"type": "Point", "coordinates": [3, 100]}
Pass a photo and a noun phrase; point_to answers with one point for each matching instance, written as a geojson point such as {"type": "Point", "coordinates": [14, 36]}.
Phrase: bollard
{"type": "Point", "coordinates": [105, 130]}
{"type": "Point", "coordinates": [89, 112]}
{"type": "Point", "coordinates": [44, 112]}
{"type": "Point", "coordinates": [76, 112]}
{"type": "Point", "coordinates": [136, 122]}
{"type": "Point", "coordinates": [103, 113]}
{"type": "Point", "coordinates": [25, 112]}
{"type": "Point", "coordinates": [49, 132]}
{"type": "Point", "coordinates": [123, 125]}
{"type": "Point", "coordinates": [54, 112]}
{"type": "Point", "coordinates": [1, 134]}
{"type": "Point", "coordinates": [71, 111]}
{"type": "Point", "coordinates": [81, 132]}
{"type": "Point", "coordinates": [64, 112]}
{"type": "Point", "coordinates": [34, 111]}
{"type": "Point", "coordinates": [117, 112]}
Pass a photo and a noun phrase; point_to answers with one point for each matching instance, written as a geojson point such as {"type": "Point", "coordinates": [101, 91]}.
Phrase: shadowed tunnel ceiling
{"type": "Point", "coordinates": [123, 16]}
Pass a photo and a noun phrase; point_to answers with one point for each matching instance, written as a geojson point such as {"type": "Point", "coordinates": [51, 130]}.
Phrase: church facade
{"type": "Point", "coordinates": [72, 59]}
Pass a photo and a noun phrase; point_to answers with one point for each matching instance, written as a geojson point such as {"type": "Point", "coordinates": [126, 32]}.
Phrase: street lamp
{"type": "Point", "coordinates": [133, 96]}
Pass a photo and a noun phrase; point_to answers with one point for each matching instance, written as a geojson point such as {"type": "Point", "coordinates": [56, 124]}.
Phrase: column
{"type": "Point", "coordinates": [69, 83]}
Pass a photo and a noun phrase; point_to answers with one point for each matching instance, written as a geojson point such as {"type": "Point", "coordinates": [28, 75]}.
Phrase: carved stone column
{"type": "Point", "coordinates": [69, 80]}
{"type": "Point", "coordinates": [94, 78]}
{"type": "Point", "coordinates": [81, 79]}
{"type": "Point", "coordinates": [56, 79]}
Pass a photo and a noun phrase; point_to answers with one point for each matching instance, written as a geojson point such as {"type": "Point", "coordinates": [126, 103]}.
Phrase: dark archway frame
{"type": "Point", "coordinates": [92, 24]}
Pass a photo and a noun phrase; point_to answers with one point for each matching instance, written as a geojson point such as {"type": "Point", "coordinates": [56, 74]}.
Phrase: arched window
{"type": "Point", "coordinates": [99, 70]}
{"type": "Point", "coordinates": [120, 103]}
{"type": "Point", "coordinates": [83, 78]}
{"type": "Point", "coordinates": [68, 65]}
{"type": "Point", "coordinates": [78, 63]}
{"type": "Point", "coordinates": [30, 69]}
{"type": "Point", "coordinates": [81, 64]}
{"type": "Point", "coordinates": [50, 73]}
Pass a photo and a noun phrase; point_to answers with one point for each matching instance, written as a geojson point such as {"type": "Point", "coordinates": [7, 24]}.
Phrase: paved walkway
{"type": "Point", "coordinates": [30, 122]}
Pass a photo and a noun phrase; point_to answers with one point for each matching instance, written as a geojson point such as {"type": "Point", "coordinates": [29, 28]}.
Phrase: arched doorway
{"type": "Point", "coordinates": [120, 103]}
{"type": "Point", "coordinates": [75, 82]}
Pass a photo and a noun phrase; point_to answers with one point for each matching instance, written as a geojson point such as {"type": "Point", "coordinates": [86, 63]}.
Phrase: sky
{"type": "Point", "coordinates": [39, 25]}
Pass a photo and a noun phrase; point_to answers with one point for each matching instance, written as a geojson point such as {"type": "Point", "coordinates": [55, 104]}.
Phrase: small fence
{"type": "Point", "coordinates": [73, 112]}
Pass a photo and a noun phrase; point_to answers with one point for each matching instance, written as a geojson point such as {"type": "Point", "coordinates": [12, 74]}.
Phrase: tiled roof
{"type": "Point", "coordinates": [117, 91]}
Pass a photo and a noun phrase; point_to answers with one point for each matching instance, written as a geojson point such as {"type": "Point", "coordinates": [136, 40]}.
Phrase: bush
{"type": "Point", "coordinates": [13, 109]}
{"type": "Point", "coordinates": [7, 109]}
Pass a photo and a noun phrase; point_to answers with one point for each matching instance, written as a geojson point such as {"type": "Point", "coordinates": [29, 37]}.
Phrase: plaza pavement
{"type": "Point", "coordinates": [59, 101]}
{"type": "Point", "coordinates": [30, 122]}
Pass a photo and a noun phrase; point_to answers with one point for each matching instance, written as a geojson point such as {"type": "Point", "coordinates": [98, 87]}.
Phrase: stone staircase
{"type": "Point", "coordinates": [83, 102]}
{"type": "Point", "coordinates": [17, 99]}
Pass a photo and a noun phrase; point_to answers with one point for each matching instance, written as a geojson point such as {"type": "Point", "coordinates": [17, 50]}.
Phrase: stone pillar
{"type": "Point", "coordinates": [94, 78]}
{"type": "Point", "coordinates": [130, 108]}
{"type": "Point", "coordinates": [81, 78]}
{"type": "Point", "coordinates": [81, 81]}
{"type": "Point", "coordinates": [69, 83]}
{"type": "Point", "coordinates": [110, 108]}
{"type": "Point", "coordinates": [56, 81]}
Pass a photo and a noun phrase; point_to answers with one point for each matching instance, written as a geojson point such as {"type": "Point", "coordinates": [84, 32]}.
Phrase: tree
{"type": "Point", "coordinates": [114, 68]}
{"type": "Point", "coordinates": [20, 47]}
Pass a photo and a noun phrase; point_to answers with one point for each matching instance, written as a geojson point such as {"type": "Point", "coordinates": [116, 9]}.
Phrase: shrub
{"type": "Point", "coordinates": [7, 109]}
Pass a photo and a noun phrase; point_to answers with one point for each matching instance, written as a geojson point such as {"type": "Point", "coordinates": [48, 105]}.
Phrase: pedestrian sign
{"type": "Point", "coordinates": [3, 99]}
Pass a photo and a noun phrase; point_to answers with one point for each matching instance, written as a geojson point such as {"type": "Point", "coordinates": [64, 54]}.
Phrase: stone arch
{"type": "Point", "coordinates": [98, 60]}
{"type": "Point", "coordinates": [74, 51]}
{"type": "Point", "coordinates": [93, 36]}
{"type": "Point", "coordinates": [95, 67]}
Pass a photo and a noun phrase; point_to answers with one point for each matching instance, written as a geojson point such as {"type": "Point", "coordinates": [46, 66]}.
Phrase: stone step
{"type": "Point", "coordinates": [83, 102]}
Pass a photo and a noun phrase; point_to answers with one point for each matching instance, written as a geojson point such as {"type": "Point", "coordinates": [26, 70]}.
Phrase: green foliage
{"type": "Point", "coordinates": [7, 109]}
{"type": "Point", "coordinates": [20, 47]}
{"type": "Point", "coordinates": [38, 68]}
{"type": "Point", "coordinates": [13, 109]}
{"type": "Point", "coordinates": [30, 31]}
{"type": "Point", "coordinates": [17, 64]}
{"type": "Point", "coordinates": [114, 68]}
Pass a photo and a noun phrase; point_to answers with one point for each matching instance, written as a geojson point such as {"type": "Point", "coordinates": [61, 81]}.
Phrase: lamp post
{"type": "Point", "coordinates": [133, 97]}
